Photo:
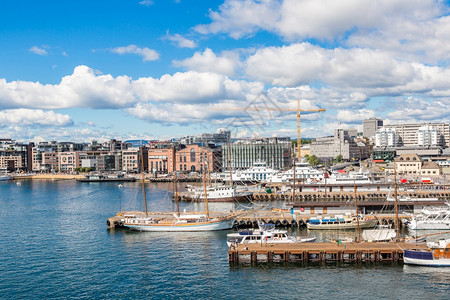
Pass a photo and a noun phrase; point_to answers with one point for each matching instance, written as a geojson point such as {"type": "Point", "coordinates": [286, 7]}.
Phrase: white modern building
{"type": "Point", "coordinates": [427, 136]}
{"type": "Point", "coordinates": [386, 137]}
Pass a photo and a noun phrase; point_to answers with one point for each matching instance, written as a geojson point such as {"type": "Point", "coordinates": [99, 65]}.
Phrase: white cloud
{"type": "Point", "coordinates": [240, 18]}
{"type": "Point", "coordinates": [413, 109]}
{"type": "Point", "coordinates": [207, 61]}
{"type": "Point", "coordinates": [193, 87]}
{"type": "Point", "coordinates": [354, 116]}
{"type": "Point", "coordinates": [181, 41]}
{"type": "Point", "coordinates": [147, 3]}
{"type": "Point", "coordinates": [325, 19]}
{"type": "Point", "coordinates": [24, 116]}
{"type": "Point", "coordinates": [146, 53]}
{"type": "Point", "coordinates": [37, 50]}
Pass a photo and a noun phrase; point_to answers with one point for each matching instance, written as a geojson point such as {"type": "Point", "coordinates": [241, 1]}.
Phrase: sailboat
{"type": "Point", "coordinates": [178, 222]}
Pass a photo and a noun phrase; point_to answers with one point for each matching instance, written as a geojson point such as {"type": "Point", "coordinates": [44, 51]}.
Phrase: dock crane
{"type": "Point", "coordinates": [298, 110]}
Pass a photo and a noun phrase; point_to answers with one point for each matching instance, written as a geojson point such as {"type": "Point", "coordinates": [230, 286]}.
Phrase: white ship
{"type": "Point", "coordinates": [217, 194]}
{"type": "Point", "coordinates": [303, 172]}
{"type": "Point", "coordinates": [265, 234]}
{"type": "Point", "coordinates": [437, 218]}
{"type": "Point", "coordinates": [259, 172]}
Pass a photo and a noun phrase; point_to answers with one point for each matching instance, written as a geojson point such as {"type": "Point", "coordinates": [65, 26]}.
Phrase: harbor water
{"type": "Point", "coordinates": [55, 244]}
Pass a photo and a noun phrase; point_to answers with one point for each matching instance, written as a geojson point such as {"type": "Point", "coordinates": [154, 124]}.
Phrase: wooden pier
{"type": "Point", "coordinates": [320, 252]}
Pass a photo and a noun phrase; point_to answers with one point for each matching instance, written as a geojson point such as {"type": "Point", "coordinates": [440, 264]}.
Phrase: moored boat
{"type": "Point", "coordinates": [438, 218]}
{"type": "Point", "coordinates": [265, 234]}
{"type": "Point", "coordinates": [437, 255]}
{"type": "Point", "coordinates": [340, 222]}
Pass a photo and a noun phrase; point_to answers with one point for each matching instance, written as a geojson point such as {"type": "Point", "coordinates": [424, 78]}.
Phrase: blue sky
{"type": "Point", "coordinates": [83, 70]}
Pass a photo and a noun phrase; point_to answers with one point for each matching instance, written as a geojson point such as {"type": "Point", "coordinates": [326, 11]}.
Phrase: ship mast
{"type": "Point", "coordinates": [175, 180]}
{"type": "Point", "coordinates": [204, 182]}
{"type": "Point", "coordinates": [396, 205]}
{"type": "Point", "coordinates": [229, 163]}
{"type": "Point", "coordinates": [356, 210]}
{"type": "Point", "coordinates": [143, 180]}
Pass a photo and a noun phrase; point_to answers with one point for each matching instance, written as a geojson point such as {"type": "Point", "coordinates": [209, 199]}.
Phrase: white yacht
{"type": "Point", "coordinates": [437, 218]}
{"type": "Point", "coordinates": [359, 177]}
{"type": "Point", "coordinates": [303, 172]}
{"type": "Point", "coordinates": [221, 193]}
{"type": "Point", "coordinates": [265, 234]}
{"type": "Point", "coordinates": [257, 173]}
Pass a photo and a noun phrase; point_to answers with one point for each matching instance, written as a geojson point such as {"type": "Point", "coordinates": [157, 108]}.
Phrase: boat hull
{"type": "Point", "coordinates": [422, 258]}
{"type": "Point", "coordinates": [429, 226]}
{"type": "Point", "coordinates": [343, 226]}
{"type": "Point", "coordinates": [176, 227]}
{"type": "Point", "coordinates": [240, 198]}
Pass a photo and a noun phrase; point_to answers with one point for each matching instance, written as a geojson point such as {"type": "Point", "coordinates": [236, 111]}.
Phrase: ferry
{"type": "Point", "coordinates": [437, 218]}
{"type": "Point", "coordinates": [265, 234]}
{"type": "Point", "coordinates": [437, 255]}
{"type": "Point", "coordinates": [340, 222]}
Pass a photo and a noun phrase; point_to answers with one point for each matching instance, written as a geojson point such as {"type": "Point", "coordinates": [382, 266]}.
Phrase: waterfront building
{"type": "Point", "coordinates": [109, 162]}
{"type": "Point", "coordinates": [160, 160]}
{"type": "Point", "coordinates": [242, 154]}
{"type": "Point", "coordinates": [341, 143]}
{"type": "Point", "coordinates": [14, 155]}
{"type": "Point", "coordinates": [131, 159]}
{"type": "Point", "coordinates": [194, 158]}
{"type": "Point", "coordinates": [431, 134]}
{"type": "Point", "coordinates": [412, 165]}
{"type": "Point", "coordinates": [371, 126]}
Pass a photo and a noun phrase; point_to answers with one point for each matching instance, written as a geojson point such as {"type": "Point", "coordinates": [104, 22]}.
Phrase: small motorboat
{"type": "Point", "coordinates": [437, 255]}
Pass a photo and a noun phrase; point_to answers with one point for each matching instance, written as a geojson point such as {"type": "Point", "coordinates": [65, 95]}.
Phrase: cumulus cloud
{"type": "Point", "coordinates": [304, 63]}
{"type": "Point", "coordinates": [87, 88]}
{"type": "Point", "coordinates": [147, 3]}
{"type": "Point", "coordinates": [240, 18]}
{"type": "Point", "coordinates": [208, 61]}
{"type": "Point", "coordinates": [194, 86]}
{"type": "Point", "coordinates": [146, 53]}
{"type": "Point", "coordinates": [354, 116]}
{"type": "Point", "coordinates": [33, 117]}
{"type": "Point", "coordinates": [37, 50]}
{"type": "Point", "coordinates": [181, 41]}
{"type": "Point", "coordinates": [326, 19]}
{"type": "Point", "coordinates": [412, 109]}
{"type": "Point", "coordinates": [81, 89]}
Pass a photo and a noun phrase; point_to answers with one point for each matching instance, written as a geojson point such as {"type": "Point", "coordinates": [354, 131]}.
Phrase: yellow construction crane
{"type": "Point", "coordinates": [298, 110]}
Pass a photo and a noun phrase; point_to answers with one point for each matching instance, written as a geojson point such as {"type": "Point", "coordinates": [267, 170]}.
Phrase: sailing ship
{"type": "Point", "coordinates": [437, 255]}
{"type": "Point", "coordinates": [178, 222]}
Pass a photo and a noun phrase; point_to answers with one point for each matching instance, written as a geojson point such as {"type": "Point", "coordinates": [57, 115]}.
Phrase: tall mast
{"type": "Point", "coordinates": [396, 204]}
{"type": "Point", "coordinates": [356, 210]}
{"type": "Point", "coordinates": [175, 180]}
{"type": "Point", "coordinates": [293, 183]}
{"type": "Point", "coordinates": [204, 183]}
{"type": "Point", "coordinates": [143, 180]}
{"type": "Point", "coordinates": [229, 162]}
{"type": "Point", "coordinates": [299, 133]}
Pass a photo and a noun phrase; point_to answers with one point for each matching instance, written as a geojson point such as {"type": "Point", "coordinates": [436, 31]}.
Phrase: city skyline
{"type": "Point", "coordinates": [153, 69]}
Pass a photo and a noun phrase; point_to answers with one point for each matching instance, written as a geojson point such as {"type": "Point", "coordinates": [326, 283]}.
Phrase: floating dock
{"type": "Point", "coordinates": [320, 252]}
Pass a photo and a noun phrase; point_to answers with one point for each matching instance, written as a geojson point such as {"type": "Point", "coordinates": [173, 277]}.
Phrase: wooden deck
{"type": "Point", "coordinates": [320, 252]}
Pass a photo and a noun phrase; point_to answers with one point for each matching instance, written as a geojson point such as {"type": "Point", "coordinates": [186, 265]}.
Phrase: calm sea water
{"type": "Point", "coordinates": [54, 243]}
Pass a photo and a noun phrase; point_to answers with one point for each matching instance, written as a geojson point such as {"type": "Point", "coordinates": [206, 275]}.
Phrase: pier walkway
{"type": "Point", "coordinates": [320, 252]}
